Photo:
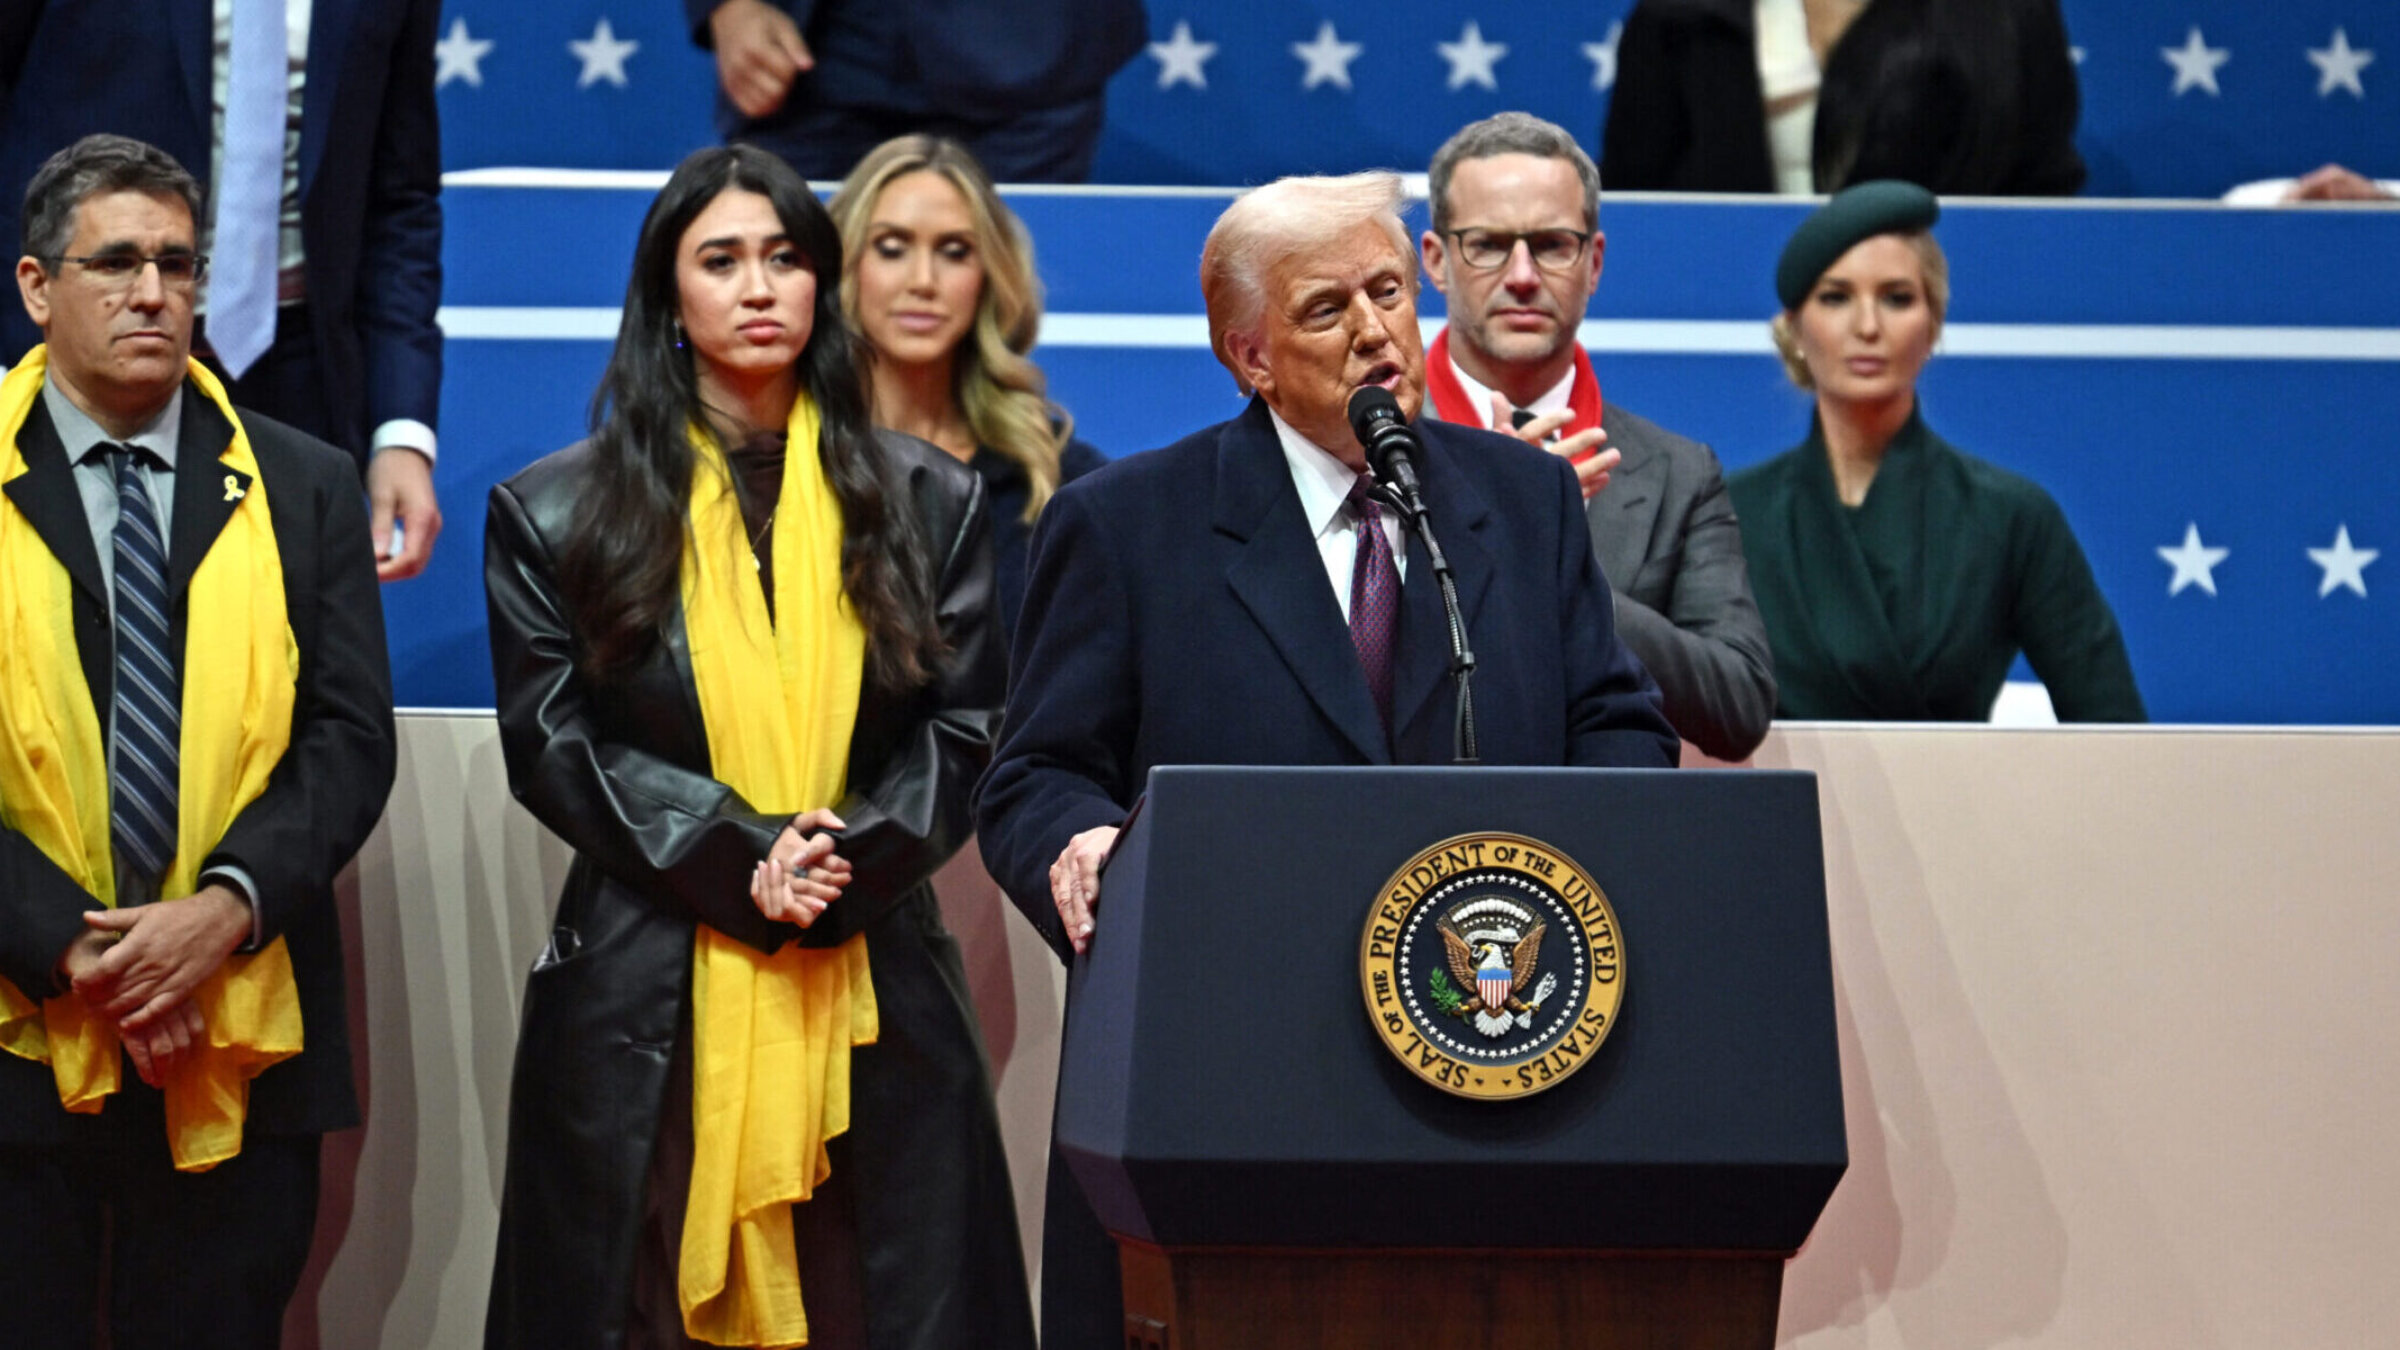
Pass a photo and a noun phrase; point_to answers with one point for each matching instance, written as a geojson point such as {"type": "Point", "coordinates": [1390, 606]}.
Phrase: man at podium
{"type": "Point", "coordinates": [1238, 597]}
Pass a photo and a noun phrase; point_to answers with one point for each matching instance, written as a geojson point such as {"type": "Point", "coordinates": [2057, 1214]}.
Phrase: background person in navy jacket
{"type": "Point", "coordinates": [821, 82]}
{"type": "Point", "coordinates": [357, 358]}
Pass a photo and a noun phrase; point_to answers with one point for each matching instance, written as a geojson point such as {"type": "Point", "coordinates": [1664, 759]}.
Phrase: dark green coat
{"type": "Point", "coordinates": [1913, 605]}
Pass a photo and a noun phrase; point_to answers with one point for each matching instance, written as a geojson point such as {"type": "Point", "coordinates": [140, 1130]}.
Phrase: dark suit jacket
{"type": "Point", "coordinates": [1179, 613]}
{"type": "Point", "coordinates": [323, 798]}
{"type": "Point", "coordinates": [1005, 492]}
{"type": "Point", "coordinates": [1665, 533]}
{"type": "Point", "coordinates": [1962, 96]}
{"type": "Point", "coordinates": [618, 766]}
{"type": "Point", "coordinates": [370, 167]}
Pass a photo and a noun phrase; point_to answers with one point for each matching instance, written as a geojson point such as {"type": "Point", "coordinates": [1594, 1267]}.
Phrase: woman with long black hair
{"type": "Point", "coordinates": [742, 644]}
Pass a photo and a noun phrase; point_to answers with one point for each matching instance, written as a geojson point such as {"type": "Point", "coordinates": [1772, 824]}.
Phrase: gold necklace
{"type": "Point", "coordinates": [760, 537]}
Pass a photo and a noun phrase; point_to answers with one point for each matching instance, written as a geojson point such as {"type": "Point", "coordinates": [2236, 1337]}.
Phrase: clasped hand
{"type": "Point", "coordinates": [1582, 450]}
{"type": "Point", "coordinates": [138, 966]}
{"type": "Point", "coordinates": [801, 874]}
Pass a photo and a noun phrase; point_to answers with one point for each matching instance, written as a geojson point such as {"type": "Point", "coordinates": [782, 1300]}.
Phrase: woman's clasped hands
{"type": "Point", "coordinates": [801, 874]}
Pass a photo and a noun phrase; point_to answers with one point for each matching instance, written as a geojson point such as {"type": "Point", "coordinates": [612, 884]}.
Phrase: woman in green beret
{"type": "Point", "coordinates": [1898, 577]}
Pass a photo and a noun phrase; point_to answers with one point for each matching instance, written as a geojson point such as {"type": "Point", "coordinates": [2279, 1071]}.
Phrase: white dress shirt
{"type": "Point", "coordinates": [291, 285]}
{"type": "Point", "coordinates": [1324, 485]}
{"type": "Point", "coordinates": [1480, 398]}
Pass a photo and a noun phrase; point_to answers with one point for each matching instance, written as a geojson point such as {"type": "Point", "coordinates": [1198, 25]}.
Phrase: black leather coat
{"type": "Point", "coordinates": [620, 770]}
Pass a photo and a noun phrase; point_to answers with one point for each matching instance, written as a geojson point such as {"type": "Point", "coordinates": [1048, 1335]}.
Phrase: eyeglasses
{"type": "Point", "coordinates": [119, 271]}
{"type": "Point", "coordinates": [1552, 250]}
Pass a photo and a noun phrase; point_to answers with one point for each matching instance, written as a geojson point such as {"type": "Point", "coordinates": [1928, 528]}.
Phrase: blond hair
{"type": "Point", "coordinates": [1003, 394]}
{"type": "Point", "coordinates": [1784, 327]}
{"type": "Point", "coordinates": [1271, 222]}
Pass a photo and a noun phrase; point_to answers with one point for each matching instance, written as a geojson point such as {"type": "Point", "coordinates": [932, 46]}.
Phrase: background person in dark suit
{"type": "Point", "coordinates": [356, 358]}
{"type": "Point", "coordinates": [1516, 247]}
{"type": "Point", "coordinates": [1959, 96]}
{"type": "Point", "coordinates": [233, 766]}
{"type": "Point", "coordinates": [821, 82]}
{"type": "Point", "coordinates": [1222, 601]}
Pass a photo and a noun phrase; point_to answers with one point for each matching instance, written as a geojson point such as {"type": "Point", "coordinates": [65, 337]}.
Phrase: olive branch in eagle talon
{"type": "Point", "coordinates": [1469, 962]}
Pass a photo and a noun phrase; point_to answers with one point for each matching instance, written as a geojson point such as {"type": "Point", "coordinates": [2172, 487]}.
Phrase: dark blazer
{"type": "Point", "coordinates": [370, 167]}
{"type": "Point", "coordinates": [1005, 492]}
{"type": "Point", "coordinates": [319, 805]}
{"type": "Point", "coordinates": [1665, 533]}
{"type": "Point", "coordinates": [968, 59]}
{"type": "Point", "coordinates": [1179, 613]}
{"type": "Point", "coordinates": [619, 768]}
{"type": "Point", "coordinates": [1961, 96]}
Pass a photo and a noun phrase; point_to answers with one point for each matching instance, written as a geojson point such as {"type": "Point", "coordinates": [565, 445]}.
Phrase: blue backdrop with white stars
{"type": "Point", "coordinates": [2180, 99]}
{"type": "Point", "coordinates": [2209, 393]}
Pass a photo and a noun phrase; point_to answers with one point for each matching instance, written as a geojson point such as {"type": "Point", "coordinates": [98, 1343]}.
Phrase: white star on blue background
{"type": "Point", "coordinates": [2194, 562]}
{"type": "Point", "coordinates": [460, 56]}
{"type": "Point", "coordinates": [1328, 58]}
{"type": "Point", "coordinates": [1471, 58]}
{"type": "Point", "coordinates": [1180, 58]}
{"type": "Point", "coordinates": [603, 56]}
{"type": "Point", "coordinates": [2195, 64]}
{"type": "Point", "coordinates": [2338, 66]}
{"type": "Point", "coordinates": [1603, 56]}
{"type": "Point", "coordinates": [2345, 567]}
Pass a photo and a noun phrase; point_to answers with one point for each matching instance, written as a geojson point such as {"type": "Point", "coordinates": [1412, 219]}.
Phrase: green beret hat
{"type": "Point", "coordinates": [1885, 206]}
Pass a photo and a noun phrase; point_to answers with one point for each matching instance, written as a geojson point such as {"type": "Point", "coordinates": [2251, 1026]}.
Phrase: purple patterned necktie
{"type": "Point", "coordinates": [1374, 598]}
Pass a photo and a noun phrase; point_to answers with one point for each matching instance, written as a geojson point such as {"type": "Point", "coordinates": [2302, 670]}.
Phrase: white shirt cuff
{"type": "Point", "coordinates": [239, 880]}
{"type": "Point", "coordinates": [404, 431]}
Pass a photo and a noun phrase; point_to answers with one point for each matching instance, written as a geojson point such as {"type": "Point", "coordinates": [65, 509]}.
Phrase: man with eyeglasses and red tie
{"type": "Point", "coordinates": [195, 737]}
{"type": "Point", "coordinates": [1516, 248]}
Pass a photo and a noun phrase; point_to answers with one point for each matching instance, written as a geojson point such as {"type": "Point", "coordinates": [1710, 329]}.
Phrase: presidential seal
{"type": "Point", "coordinates": [1492, 965]}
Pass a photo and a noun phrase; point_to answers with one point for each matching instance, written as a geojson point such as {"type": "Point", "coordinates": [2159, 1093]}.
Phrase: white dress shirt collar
{"type": "Point", "coordinates": [1480, 399]}
{"type": "Point", "coordinates": [1323, 483]}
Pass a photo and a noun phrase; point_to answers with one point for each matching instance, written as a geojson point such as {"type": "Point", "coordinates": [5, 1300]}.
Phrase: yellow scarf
{"type": "Point", "coordinates": [771, 1035]}
{"type": "Point", "coordinates": [238, 691]}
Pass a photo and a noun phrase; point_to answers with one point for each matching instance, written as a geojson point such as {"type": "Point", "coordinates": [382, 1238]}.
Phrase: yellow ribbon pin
{"type": "Point", "coordinates": [233, 488]}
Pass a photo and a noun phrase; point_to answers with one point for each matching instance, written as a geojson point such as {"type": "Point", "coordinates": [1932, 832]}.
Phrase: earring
{"type": "Point", "coordinates": [678, 333]}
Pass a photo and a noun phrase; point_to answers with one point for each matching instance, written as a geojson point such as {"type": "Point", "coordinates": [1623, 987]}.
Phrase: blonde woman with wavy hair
{"type": "Point", "coordinates": [940, 281]}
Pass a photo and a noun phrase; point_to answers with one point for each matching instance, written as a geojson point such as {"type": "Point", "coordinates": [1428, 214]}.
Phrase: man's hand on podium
{"type": "Point", "coordinates": [1075, 881]}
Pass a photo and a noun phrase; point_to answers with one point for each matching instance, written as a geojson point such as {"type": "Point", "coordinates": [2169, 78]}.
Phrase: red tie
{"type": "Point", "coordinates": [1374, 599]}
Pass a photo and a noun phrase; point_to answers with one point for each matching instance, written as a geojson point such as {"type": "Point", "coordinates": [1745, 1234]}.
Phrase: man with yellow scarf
{"type": "Point", "coordinates": [195, 736]}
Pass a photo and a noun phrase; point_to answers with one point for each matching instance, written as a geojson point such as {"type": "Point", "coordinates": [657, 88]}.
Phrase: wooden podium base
{"type": "Point", "coordinates": [1261, 1299]}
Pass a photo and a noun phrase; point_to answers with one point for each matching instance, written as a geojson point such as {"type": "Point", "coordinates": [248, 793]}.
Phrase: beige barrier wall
{"type": "Point", "coordinates": [2118, 1016]}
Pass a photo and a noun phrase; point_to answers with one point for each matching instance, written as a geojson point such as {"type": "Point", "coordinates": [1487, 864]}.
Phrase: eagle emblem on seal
{"type": "Point", "coordinates": [1496, 963]}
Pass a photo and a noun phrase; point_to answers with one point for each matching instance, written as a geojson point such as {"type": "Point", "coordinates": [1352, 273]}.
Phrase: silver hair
{"type": "Point", "coordinates": [86, 169]}
{"type": "Point", "coordinates": [1287, 216]}
{"type": "Point", "coordinates": [1510, 133]}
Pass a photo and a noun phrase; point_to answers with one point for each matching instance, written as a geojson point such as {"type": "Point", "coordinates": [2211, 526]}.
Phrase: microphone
{"type": "Point", "coordinates": [1392, 446]}
{"type": "Point", "coordinates": [1391, 443]}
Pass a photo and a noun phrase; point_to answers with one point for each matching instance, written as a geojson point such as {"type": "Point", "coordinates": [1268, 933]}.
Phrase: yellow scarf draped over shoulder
{"type": "Point", "coordinates": [240, 672]}
{"type": "Point", "coordinates": [771, 1035]}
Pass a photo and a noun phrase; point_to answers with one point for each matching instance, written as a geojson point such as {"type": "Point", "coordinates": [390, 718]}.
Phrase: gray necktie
{"type": "Point", "coordinates": [249, 187]}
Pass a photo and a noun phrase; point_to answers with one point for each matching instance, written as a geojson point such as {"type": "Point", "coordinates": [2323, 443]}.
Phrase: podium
{"type": "Point", "coordinates": [1275, 1175]}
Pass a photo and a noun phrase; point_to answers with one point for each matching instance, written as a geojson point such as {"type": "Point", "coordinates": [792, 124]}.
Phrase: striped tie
{"type": "Point", "coordinates": [148, 706]}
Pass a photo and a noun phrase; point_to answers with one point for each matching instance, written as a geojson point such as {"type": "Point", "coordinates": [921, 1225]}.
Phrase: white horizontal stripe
{"type": "Point", "coordinates": [645, 180]}
{"type": "Point", "coordinates": [528, 322]}
{"type": "Point", "coordinates": [1412, 186]}
{"type": "Point", "coordinates": [651, 180]}
{"type": "Point", "coordinates": [1704, 337]}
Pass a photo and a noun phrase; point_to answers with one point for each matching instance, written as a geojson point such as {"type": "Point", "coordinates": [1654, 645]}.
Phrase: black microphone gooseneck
{"type": "Point", "coordinates": [1391, 446]}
